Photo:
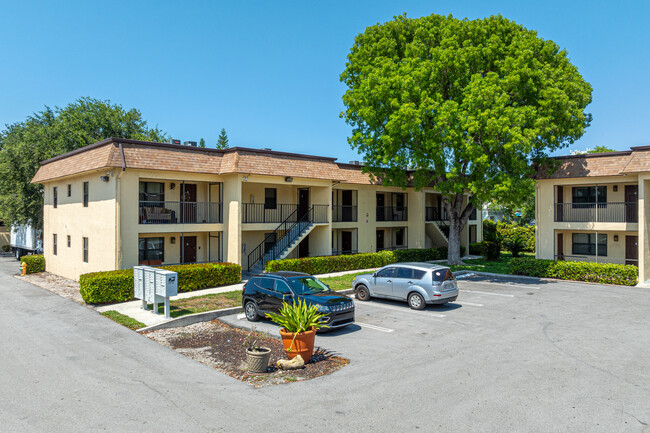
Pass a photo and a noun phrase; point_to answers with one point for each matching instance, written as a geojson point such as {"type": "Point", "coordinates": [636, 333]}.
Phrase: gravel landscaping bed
{"type": "Point", "coordinates": [56, 284]}
{"type": "Point", "coordinates": [220, 346]}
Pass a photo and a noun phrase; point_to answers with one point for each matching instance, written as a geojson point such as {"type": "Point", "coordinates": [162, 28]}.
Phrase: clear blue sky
{"type": "Point", "coordinates": [268, 71]}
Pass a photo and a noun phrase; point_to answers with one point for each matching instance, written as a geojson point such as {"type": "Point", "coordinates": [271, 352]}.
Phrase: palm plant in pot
{"type": "Point", "coordinates": [298, 325]}
{"type": "Point", "coordinates": [257, 357]}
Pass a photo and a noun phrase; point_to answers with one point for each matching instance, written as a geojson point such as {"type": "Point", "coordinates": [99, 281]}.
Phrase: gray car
{"type": "Point", "coordinates": [417, 283]}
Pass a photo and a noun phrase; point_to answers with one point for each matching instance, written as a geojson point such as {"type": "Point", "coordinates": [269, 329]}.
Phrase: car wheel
{"type": "Point", "coordinates": [362, 293]}
{"type": "Point", "coordinates": [250, 309]}
{"type": "Point", "coordinates": [416, 301]}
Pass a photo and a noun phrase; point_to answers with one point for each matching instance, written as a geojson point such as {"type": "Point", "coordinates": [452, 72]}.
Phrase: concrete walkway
{"type": "Point", "coordinates": [134, 309]}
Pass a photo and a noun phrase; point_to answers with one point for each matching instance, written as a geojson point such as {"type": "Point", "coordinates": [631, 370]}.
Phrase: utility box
{"type": "Point", "coordinates": [166, 283]}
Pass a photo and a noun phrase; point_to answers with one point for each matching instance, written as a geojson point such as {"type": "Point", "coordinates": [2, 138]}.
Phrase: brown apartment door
{"type": "Point", "coordinates": [189, 249]}
{"type": "Point", "coordinates": [560, 246]}
{"type": "Point", "coordinates": [380, 240]}
{"type": "Point", "coordinates": [631, 203]}
{"type": "Point", "coordinates": [303, 202]}
{"type": "Point", "coordinates": [346, 242]}
{"type": "Point", "coordinates": [189, 205]}
{"type": "Point", "coordinates": [632, 250]}
{"type": "Point", "coordinates": [346, 210]}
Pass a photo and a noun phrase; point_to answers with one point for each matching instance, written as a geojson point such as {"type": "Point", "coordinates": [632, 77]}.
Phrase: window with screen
{"type": "Point", "coordinates": [151, 249]}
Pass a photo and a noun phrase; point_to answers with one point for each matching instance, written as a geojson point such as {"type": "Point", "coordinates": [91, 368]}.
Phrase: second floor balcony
{"type": "Point", "coordinates": [263, 213]}
{"type": "Point", "coordinates": [344, 213]}
{"type": "Point", "coordinates": [180, 212]}
{"type": "Point", "coordinates": [606, 212]}
{"type": "Point", "coordinates": [392, 213]}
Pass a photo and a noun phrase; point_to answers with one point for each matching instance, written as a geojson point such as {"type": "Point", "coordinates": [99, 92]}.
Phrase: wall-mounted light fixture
{"type": "Point", "coordinates": [172, 186]}
{"type": "Point", "coordinates": [172, 240]}
{"type": "Point", "coordinates": [615, 188]}
{"type": "Point", "coordinates": [245, 178]}
{"type": "Point", "coordinates": [615, 238]}
{"type": "Point", "coordinates": [103, 178]}
{"type": "Point", "coordinates": [288, 179]}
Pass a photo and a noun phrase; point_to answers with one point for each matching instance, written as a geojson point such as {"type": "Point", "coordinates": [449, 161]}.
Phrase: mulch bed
{"type": "Point", "coordinates": [220, 346]}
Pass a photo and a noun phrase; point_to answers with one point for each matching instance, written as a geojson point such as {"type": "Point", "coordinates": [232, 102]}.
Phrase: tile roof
{"type": "Point", "coordinates": [162, 156]}
{"type": "Point", "coordinates": [635, 160]}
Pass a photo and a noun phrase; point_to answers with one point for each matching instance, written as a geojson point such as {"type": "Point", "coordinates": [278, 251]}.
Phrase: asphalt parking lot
{"type": "Point", "coordinates": [509, 355]}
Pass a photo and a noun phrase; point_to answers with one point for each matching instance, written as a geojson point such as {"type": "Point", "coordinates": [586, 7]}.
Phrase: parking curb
{"type": "Point", "coordinates": [190, 319]}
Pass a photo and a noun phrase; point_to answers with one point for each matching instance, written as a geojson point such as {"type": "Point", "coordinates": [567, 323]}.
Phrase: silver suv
{"type": "Point", "coordinates": [417, 283]}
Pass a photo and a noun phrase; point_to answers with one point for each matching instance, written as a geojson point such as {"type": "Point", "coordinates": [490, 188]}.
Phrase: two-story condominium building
{"type": "Point", "coordinates": [119, 203]}
{"type": "Point", "coordinates": [593, 208]}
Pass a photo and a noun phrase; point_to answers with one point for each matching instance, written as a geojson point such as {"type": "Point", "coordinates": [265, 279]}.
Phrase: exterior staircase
{"type": "Point", "coordinates": [436, 233]}
{"type": "Point", "coordinates": [288, 235]}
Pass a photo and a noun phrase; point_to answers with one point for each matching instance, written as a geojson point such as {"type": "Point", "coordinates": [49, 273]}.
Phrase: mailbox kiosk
{"type": "Point", "coordinates": [154, 285]}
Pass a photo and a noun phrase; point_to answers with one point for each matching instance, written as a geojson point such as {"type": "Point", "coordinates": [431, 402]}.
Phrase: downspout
{"type": "Point", "coordinates": [118, 226]}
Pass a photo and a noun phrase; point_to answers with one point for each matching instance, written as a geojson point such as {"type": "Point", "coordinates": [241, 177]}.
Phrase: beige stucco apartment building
{"type": "Point", "coordinates": [119, 203]}
{"type": "Point", "coordinates": [593, 208]}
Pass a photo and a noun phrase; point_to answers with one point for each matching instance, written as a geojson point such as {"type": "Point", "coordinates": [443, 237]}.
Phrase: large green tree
{"type": "Point", "coordinates": [52, 132]}
{"type": "Point", "coordinates": [466, 105]}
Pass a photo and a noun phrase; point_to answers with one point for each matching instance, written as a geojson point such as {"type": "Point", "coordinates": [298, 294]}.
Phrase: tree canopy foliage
{"type": "Point", "coordinates": [466, 105]}
{"type": "Point", "coordinates": [222, 141]}
{"type": "Point", "coordinates": [49, 133]}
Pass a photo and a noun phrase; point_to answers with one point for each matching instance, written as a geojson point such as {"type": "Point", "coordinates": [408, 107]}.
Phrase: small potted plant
{"type": "Point", "coordinates": [298, 325]}
{"type": "Point", "coordinates": [257, 357]}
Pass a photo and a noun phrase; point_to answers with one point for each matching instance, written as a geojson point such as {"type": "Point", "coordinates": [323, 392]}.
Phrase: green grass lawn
{"type": "Point", "coordinates": [481, 265]}
{"type": "Point", "coordinates": [199, 304]}
{"type": "Point", "coordinates": [123, 320]}
{"type": "Point", "coordinates": [342, 282]}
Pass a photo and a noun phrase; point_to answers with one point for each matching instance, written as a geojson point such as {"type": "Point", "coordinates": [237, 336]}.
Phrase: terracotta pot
{"type": "Point", "coordinates": [303, 345]}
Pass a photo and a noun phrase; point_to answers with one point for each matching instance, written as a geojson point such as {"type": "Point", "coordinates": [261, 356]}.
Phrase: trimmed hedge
{"type": "Point", "coordinates": [476, 249]}
{"type": "Point", "coordinates": [117, 286]}
{"type": "Point", "coordinates": [328, 264]}
{"type": "Point", "coordinates": [35, 263]}
{"type": "Point", "coordinates": [605, 273]}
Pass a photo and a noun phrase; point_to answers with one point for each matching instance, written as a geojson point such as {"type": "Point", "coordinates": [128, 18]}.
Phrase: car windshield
{"type": "Point", "coordinates": [307, 286]}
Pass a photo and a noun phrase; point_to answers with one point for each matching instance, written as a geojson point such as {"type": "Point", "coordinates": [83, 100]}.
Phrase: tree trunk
{"type": "Point", "coordinates": [453, 249]}
{"type": "Point", "coordinates": [458, 218]}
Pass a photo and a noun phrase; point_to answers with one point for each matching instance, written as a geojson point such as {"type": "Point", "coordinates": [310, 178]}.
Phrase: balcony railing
{"type": "Point", "coordinates": [435, 214]}
{"type": "Point", "coordinates": [392, 213]}
{"type": "Point", "coordinates": [620, 212]}
{"type": "Point", "coordinates": [178, 212]}
{"type": "Point", "coordinates": [344, 213]}
{"type": "Point", "coordinates": [258, 213]}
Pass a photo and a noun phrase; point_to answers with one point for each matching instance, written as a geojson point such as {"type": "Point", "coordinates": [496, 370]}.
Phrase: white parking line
{"type": "Point", "coordinates": [376, 328]}
{"type": "Point", "coordinates": [405, 309]}
{"type": "Point", "coordinates": [518, 286]}
{"type": "Point", "coordinates": [488, 293]}
{"type": "Point", "coordinates": [471, 304]}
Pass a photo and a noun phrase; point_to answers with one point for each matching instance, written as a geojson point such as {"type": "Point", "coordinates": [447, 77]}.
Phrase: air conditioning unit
{"type": "Point", "coordinates": [190, 143]}
{"type": "Point", "coordinates": [174, 141]}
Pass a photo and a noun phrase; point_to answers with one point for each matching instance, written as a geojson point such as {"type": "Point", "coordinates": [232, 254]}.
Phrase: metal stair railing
{"type": "Point", "coordinates": [291, 229]}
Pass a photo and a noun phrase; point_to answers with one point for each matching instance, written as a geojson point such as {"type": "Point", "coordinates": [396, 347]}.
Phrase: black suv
{"type": "Point", "coordinates": [265, 293]}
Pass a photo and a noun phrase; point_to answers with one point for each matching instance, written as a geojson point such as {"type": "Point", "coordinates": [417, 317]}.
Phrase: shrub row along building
{"type": "Point", "coordinates": [119, 203]}
{"type": "Point", "coordinates": [592, 208]}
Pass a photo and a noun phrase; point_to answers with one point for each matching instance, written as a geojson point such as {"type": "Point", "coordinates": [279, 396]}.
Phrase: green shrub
{"type": "Point", "coordinates": [117, 286]}
{"type": "Point", "coordinates": [35, 263]}
{"type": "Point", "coordinates": [606, 273]}
{"type": "Point", "coordinates": [476, 249]}
{"type": "Point", "coordinates": [6, 248]}
{"type": "Point", "coordinates": [329, 264]}
{"type": "Point", "coordinates": [515, 238]}
{"type": "Point", "coordinates": [491, 241]}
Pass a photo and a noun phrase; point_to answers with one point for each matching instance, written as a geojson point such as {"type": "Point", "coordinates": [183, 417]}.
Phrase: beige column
{"type": "Point", "coordinates": [644, 232]}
